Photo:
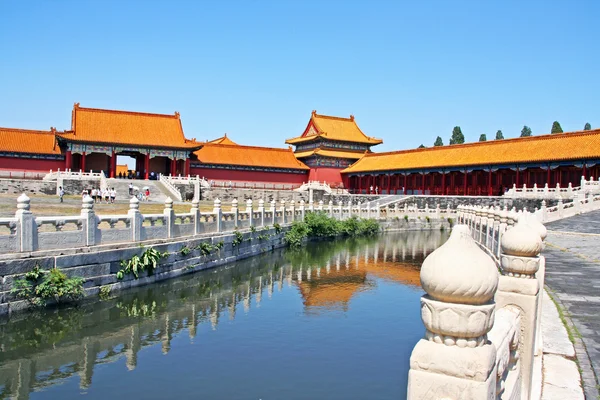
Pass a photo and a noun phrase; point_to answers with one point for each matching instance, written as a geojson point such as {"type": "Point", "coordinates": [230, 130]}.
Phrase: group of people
{"type": "Point", "coordinates": [97, 194]}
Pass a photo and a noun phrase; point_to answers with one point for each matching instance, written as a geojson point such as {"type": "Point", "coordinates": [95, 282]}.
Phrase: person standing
{"type": "Point", "coordinates": [94, 194]}
{"type": "Point", "coordinates": [61, 193]}
{"type": "Point", "coordinates": [113, 194]}
{"type": "Point", "coordinates": [130, 188]}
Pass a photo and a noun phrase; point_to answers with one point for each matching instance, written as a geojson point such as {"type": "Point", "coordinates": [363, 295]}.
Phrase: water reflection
{"type": "Point", "coordinates": [49, 348]}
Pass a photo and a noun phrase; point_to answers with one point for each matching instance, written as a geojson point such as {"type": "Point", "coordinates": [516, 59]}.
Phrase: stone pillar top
{"type": "Point", "coordinates": [87, 203]}
{"type": "Point", "coordinates": [261, 203]}
{"type": "Point", "coordinates": [168, 202]}
{"type": "Point", "coordinates": [459, 271]}
{"type": "Point", "coordinates": [23, 202]}
{"type": "Point", "coordinates": [134, 203]}
{"type": "Point", "coordinates": [522, 240]}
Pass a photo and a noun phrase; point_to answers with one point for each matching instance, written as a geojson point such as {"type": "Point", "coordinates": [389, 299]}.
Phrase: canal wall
{"type": "Point", "coordinates": [99, 265]}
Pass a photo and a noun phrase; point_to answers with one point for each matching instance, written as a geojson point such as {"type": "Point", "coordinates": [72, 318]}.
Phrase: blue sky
{"type": "Point", "coordinates": [408, 71]}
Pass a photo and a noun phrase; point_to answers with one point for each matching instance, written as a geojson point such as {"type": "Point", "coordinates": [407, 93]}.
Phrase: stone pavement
{"type": "Point", "coordinates": [573, 276]}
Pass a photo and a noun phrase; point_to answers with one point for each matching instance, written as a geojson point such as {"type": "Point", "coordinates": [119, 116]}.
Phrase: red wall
{"type": "Point", "coordinates": [329, 175]}
{"type": "Point", "coordinates": [248, 176]}
{"type": "Point", "coordinates": [30, 164]}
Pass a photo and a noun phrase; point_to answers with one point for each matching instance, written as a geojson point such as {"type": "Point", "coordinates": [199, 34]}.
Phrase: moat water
{"type": "Point", "coordinates": [335, 320]}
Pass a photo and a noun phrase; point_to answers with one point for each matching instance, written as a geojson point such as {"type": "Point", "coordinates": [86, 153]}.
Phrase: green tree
{"type": "Point", "coordinates": [438, 142]}
{"type": "Point", "coordinates": [526, 131]}
{"type": "Point", "coordinates": [499, 135]}
{"type": "Point", "coordinates": [556, 128]}
{"type": "Point", "coordinates": [483, 138]}
{"type": "Point", "coordinates": [587, 127]}
{"type": "Point", "coordinates": [457, 136]}
{"type": "Point", "coordinates": [421, 146]}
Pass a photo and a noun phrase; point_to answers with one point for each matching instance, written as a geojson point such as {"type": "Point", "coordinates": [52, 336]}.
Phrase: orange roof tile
{"type": "Point", "coordinates": [127, 127]}
{"type": "Point", "coordinates": [333, 128]}
{"type": "Point", "coordinates": [28, 141]}
{"type": "Point", "coordinates": [330, 153]}
{"type": "Point", "coordinates": [546, 148]}
{"type": "Point", "coordinates": [224, 140]}
{"type": "Point", "coordinates": [251, 156]}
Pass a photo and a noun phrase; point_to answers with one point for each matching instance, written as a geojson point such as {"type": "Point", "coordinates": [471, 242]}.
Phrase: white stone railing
{"type": "Point", "coordinates": [586, 187]}
{"type": "Point", "coordinates": [26, 232]}
{"type": "Point", "coordinates": [314, 185]}
{"type": "Point", "coordinates": [187, 180]}
{"type": "Point", "coordinates": [482, 310]}
{"type": "Point", "coordinates": [68, 174]}
{"type": "Point", "coordinates": [168, 184]}
{"type": "Point", "coordinates": [579, 205]}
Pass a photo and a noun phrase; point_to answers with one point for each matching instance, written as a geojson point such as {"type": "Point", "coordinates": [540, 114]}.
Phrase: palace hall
{"type": "Point", "coordinates": [330, 149]}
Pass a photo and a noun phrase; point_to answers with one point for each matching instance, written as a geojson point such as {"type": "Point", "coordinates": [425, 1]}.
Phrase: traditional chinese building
{"type": "Point", "coordinates": [155, 141]}
{"type": "Point", "coordinates": [29, 150]}
{"type": "Point", "coordinates": [330, 144]}
{"type": "Point", "coordinates": [481, 168]}
{"type": "Point", "coordinates": [222, 159]}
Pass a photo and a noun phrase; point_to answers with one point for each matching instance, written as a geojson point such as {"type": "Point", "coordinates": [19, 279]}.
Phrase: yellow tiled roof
{"type": "Point", "coordinates": [94, 125]}
{"type": "Point", "coordinates": [330, 153]}
{"type": "Point", "coordinates": [269, 157]}
{"type": "Point", "coordinates": [557, 147]}
{"type": "Point", "coordinates": [224, 140]}
{"type": "Point", "coordinates": [28, 141]}
{"type": "Point", "coordinates": [333, 128]}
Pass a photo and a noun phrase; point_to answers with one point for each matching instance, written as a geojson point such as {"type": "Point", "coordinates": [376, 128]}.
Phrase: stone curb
{"type": "Point", "coordinates": [589, 380]}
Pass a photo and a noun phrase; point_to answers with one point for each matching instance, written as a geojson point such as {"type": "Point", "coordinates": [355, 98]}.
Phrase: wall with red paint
{"type": "Point", "coordinates": [30, 164]}
{"type": "Point", "coordinates": [248, 176]}
{"type": "Point", "coordinates": [329, 175]}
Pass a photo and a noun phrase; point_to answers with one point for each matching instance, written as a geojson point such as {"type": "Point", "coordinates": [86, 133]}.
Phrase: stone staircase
{"type": "Point", "coordinates": [158, 194]}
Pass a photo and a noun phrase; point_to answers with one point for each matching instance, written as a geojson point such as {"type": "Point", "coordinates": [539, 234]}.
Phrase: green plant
{"type": "Point", "coordinates": [252, 229]}
{"type": "Point", "coordinates": [39, 287]}
{"type": "Point", "coordinates": [205, 248]}
{"type": "Point", "coordinates": [237, 239]}
{"type": "Point", "coordinates": [147, 261]}
{"type": "Point", "coordinates": [104, 292]}
{"type": "Point", "coordinates": [185, 251]}
{"type": "Point", "coordinates": [427, 219]}
{"type": "Point", "coordinates": [220, 245]}
{"type": "Point", "coordinates": [277, 228]}
{"type": "Point", "coordinates": [450, 221]}
{"type": "Point", "coordinates": [406, 218]}
{"type": "Point", "coordinates": [164, 254]}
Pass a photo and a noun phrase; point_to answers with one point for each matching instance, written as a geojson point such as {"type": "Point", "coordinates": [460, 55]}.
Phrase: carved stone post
{"type": "Point", "coordinates": [236, 212]}
{"type": "Point", "coordinates": [273, 213]}
{"type": "Point", "coordinates": [320, 205]}
{"type": "Point", "coordinates": [26, 226]}
{"type": "Point", "coordinates": [195, 211]}
{"type": "Point", "coordinates": [330, 209]}
{"type": "Point", "coordinates": [283, 211]}
{"type": "Point", "coordinates": [250, 211]}
{"type": "Point", "coordinates": [293, 209]}
{"type": "Point", "coordinates": [455, 360]}
{"type": "Point", "coordinates": [88, 219]}
{"type": "Point", "coordinates": [349, 208]}
{"type": "Point", "coordinates": [340, 209]}
{"type": "Point", "coordinates": [520, 261]}
{"type": "Point", "coordinates": [261, 210]}
{"type": "Point", "coordinates": [136, 219]}
{"type": "Point", "coordinates": [302, 209]}
{"type": "Point", "coordinates": [311, 206]}
{"type": "Point", "coordinates": [218, 214]}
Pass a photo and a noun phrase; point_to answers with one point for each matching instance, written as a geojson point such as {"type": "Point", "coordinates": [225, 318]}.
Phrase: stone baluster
{"type": "Point", "coordinates": [311, 205]}
{"type": "Point", "coordinates": [136, 219]}
{"type": "Point", "coordinates": [89, 221]}
{"type": "Point", "coordinates": [455, 360]}
{"type": "Point", "coordinates": [560, 206]}
{"type": "Point", "coordinates": [283, 219]}
{"type": "Point", "coordinates": [26, 226]}
{"type": "Point", "coordinates": [249, 211]}
{"type": "Point", "coordinates": [544, 211]}
{"type": "Point", "coordinates": [293, 210]}
{"type": "Point", "coordinates": [236, 212]}
{"type": "Point", "coordinates": [273, 213]}
{"type": "Point", "coordinates": [518, 286]}
{"type": "Point", "coordinates": [438, 212]}
{"type": "Point", "coordinates": [330, 209]}
{"type": "Point", "coordinates": [195, 211]}
{"type": "Point", "coordinates": [349, 208]}
{"type": "Point", "coordinates": [340, 209]}
{"type": "Point", "coordinates": [302, 209]}
{"type": "Point", "coordinates": [218, 214]}
{"type": "Point", "coordinates": [320, 205]}
{"type": "Point", "coordinates": [261, 210]}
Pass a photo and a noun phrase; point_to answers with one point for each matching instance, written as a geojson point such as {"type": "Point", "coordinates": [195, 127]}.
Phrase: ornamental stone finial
{"type": "Point", "coordinates": [537, 226]}
{"type": "Point", "coordinates": [23, 202]}
{"type": "Point", "coordinates": [217, 203]}
{"type": "Point", "coordinates": [261, 203]}
{"type": "Point", "coordinates": [87, 203]}
{"type": "Point", "coordinates": [522, 240]}
{"type": "Point", "coordinates": [134, 203]}
{"type": "Point", "coordinates": [459, 271]}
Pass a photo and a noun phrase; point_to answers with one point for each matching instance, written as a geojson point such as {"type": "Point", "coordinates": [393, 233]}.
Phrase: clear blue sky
{"type": "Point", "coordinates": [408, 71]}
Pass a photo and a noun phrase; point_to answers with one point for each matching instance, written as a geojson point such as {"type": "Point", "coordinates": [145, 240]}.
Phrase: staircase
{"type": "Point", "coordinates": [158, 194]}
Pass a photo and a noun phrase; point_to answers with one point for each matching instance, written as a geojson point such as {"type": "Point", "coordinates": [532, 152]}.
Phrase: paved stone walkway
{"type": "Point", "coordinates": [573, 275]}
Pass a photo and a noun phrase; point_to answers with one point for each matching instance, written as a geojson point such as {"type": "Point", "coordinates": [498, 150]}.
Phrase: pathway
{"type": "Point", "coordinates": [573, 276]}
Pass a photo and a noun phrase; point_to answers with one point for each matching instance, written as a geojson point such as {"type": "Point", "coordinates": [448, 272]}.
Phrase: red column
{"type": "Point", "coordinates": [404, 186]}
{"type": "Point", "coordinates": [146, 166]}
{"type": "Point", "coordinates": [422, 183]}
{"type": "Point", "coordinates": [517, 178]}
{"type": "Point", "coordinates": [173, 167]}
{"type": "Point", "coordinates": [83, 161]}
{"type": "Point", "coordinates": [68, 160]}
{"type": "Point", "coordinates": [490, 182]}
{"type": "Point", "coordinates": [187, 166]}
{"type": "Point", "coordinates": [465, 183]}
{"type": "Point", "coordinates": [112, 165]}
{"type": "Point", "coordinates": [443, 183]}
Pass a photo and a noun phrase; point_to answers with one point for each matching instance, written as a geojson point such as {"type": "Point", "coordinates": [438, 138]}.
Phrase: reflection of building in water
{"type": "Point", "coordinates": [106, 332]}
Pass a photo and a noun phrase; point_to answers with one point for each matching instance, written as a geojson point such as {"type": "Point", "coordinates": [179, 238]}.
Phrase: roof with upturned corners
{"type": "Point", "coordinates": [250, 156]}
{"type": "Point", "coordinates": [28, 141]}
{"type": "Point", "coordinates": [578, 145]}
{"type": "Point", "coordinates": [333, 128]}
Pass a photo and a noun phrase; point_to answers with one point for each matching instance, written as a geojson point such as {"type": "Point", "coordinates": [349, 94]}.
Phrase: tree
{"type": "Point", "coordinates": [526, 131]}
{"type": "Point", "coordinates": [556, 128]}
{"type": "Point", "coordinates": [587, 127]}
{"type": "Point", "coordinates": [421, 146]}
{"type": "Point", "coordinates": [483, 138]}
{"type": "Point", "coordinates": [499, 135]}
{"type": "Point", "coordinates": [457, 136]}
{"type": "Point", "coordinates": [438, 142]}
